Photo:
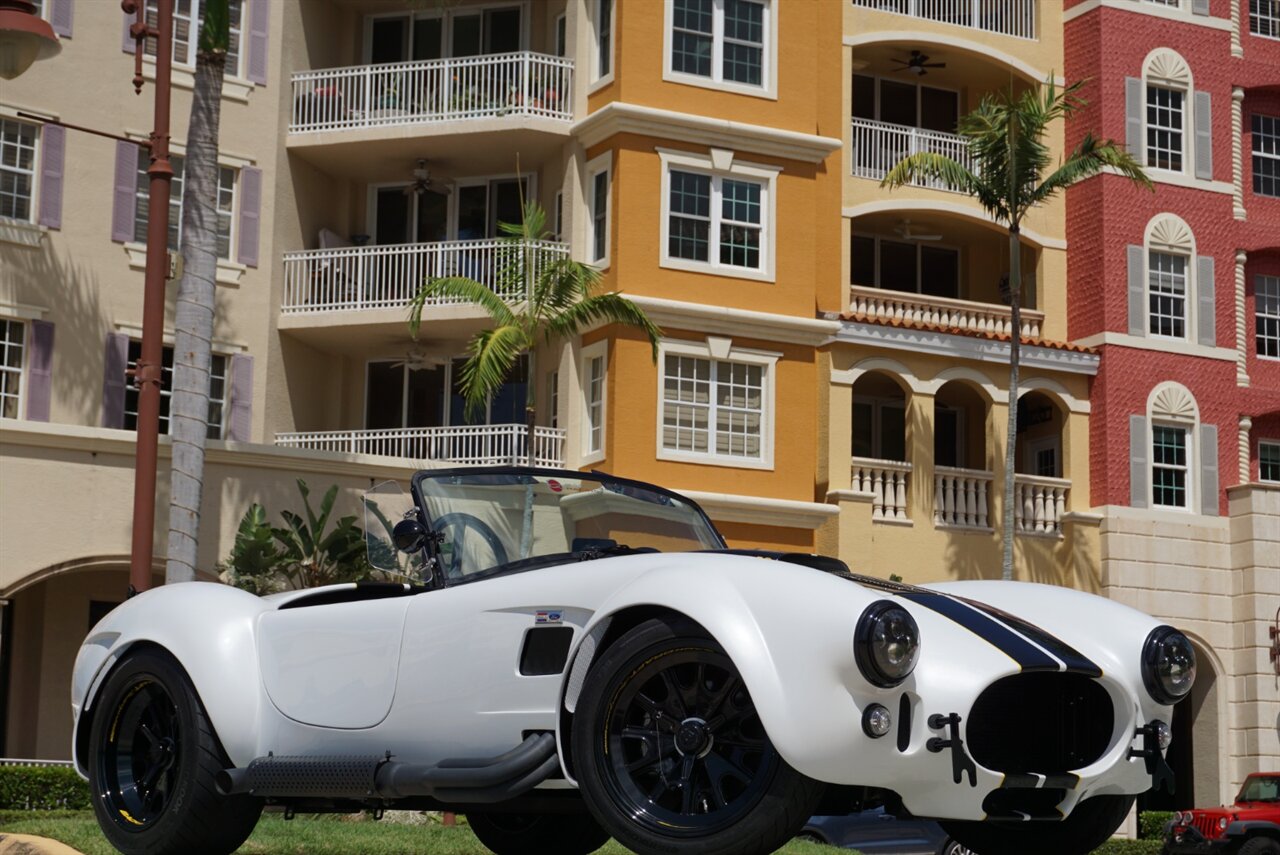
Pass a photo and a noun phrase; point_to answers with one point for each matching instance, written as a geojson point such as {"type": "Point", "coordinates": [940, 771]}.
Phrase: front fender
{"type": "Point", "coordinates": [210, 629]}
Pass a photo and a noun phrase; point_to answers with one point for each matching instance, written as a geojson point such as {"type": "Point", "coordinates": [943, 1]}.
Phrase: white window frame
{"type": "Point", "coordinates": [33, 203]}
{"type": "Point", "coordinates": [193, 32]}
{"type": "Point", "coordinates": [1274, 157]}
{"type": "Point", "coordinates": [445, 405]}
{"type": "Point", "coordinates": [722, 164]}
{"type": "Point", "coordinates": [594, 451]}
{"type": "Point", "coordinates": [768, 87]}
{"type": "Point", "coordinates": [446, 16]}
{"type": "Point", "coordinates": [451, 228]}
{"type": "Point", "coordinates": [1188, 294]}
{"type": "Point", "coordinates": [1273, 19]}
{"type": "Point", "coordinates": [142, 193]}
{"type": "Point", "coordinates": [20, 372]}
{"type": "Point", "coordinates": [598, 80]}
{"type": "Point", "coordinates": [724, 351]}
{"type": "Point", "coordinates": [1191, 481]}
{"type": "Point", "coordinates": [1272, 282]}
{"type": "Point", "coordinates": [600, 164]}
{"type": "Point", "coordinates": [224, 401]}
{"type": "Point", "coordinates": [1186, 138]}
{"type": "Point", "coordinates": [1267, 443]}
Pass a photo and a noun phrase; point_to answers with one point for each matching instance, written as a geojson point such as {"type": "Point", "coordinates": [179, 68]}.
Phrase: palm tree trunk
{"type": "Point", "coordinates": [1011, 436]}
{"type": "Point", "coordinates": [193, 319]}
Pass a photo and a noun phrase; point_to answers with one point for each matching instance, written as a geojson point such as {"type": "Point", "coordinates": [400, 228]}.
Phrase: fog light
{"type": "Point", "coordinates": [876, 721]}
{"type": "Point", "coordinates": [1164, 736]}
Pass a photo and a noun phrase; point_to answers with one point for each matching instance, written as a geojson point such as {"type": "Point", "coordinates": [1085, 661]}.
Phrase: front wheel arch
{"type": "Point", "coordinates": [80, 739]}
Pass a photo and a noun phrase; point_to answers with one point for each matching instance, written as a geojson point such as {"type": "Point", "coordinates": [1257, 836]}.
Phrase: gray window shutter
{"type": "Point", "coordinates": [259, 20]}
{"type": "Point", "coordinates": [1137, 291]}
{"type": "Point", "coordinates": [250, 215]}
{"type": "Point", "coordinates": [1133, 109]}
{"type": "Point", "coordinates": [240, 411]}
{"type": "Point", "coordinates": [1200, 7]}
{"type": "Point", "coordinates": [127, 42]}
{"type": "Point", "coordinates": [1209, 470]}
{"type": "Point", "coordinates": [40, 372]}
{"type": "Point", "coordinates": [1204, 137]}
{"type": "Point", "coordinates": [113, 380]}
{"type": "Point", "coordinates": [1139, 472]}
{"type": "Point", "coordinates": [124, 197]}
{"type": "Point", "coordinates": [1206, 320]}
{"type": "Point", "coordinates": [53, 146]}
{"type": "Point", "coordinates": [60, 15]}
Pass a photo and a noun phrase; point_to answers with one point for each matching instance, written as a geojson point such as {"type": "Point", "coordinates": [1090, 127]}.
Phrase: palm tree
{"type": "Point", "coordinates": [193, 317]}
{"type": "Point", "coordinates": [1006, 138]}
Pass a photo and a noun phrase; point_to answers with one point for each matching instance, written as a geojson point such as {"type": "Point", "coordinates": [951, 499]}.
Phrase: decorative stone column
{"type": "Point", "coordinates": [1242, 331]}
{"type": "Point", "coordinates": [1237, 49]}
{"type": "Point", "coordinates": [1237, 155]}
{"type": "Point", "coordinates": [1242, 446]}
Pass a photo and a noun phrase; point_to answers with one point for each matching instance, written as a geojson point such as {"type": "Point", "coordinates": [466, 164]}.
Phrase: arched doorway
{"type": "Point", "coordinates": [878, 443]}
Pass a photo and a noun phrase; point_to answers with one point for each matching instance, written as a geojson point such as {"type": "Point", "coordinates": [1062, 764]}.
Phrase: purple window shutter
{"type": "Point", "coordinates": [60, 14]}
{"type": "Point", "coordinates": [113, 380]}
{"type": "Point", "coordinates": [40, 374]}
{"type": "Point", "coordinates": [259, 18]}
{"type": "Point", "coordinates": [53, 147]}
{"type": "Point", "coordinates": [128, 44]}
{"type": "Point", "coordinates": [126, 188]}
{"type": "Point", "coordinates": [250, 214]}
{"type": "Point", "coordinates": [240, 415]}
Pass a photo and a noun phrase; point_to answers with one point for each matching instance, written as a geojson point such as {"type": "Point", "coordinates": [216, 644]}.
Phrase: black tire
{"type": "Point", "coordinates": [1089, 826]}
{"type": "Point", "coordinates": [955, 847]}
{"type": "Point", "coordinates": [537, 833]}
{"type": "Point", "coordinates": [670, 754]}
{"type": "Point", "coordinates": [152, 760]}
{"type": "Point", "coordinates": [1259, 846]}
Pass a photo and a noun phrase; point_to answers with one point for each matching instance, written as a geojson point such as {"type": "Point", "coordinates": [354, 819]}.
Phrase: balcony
{"type": "Point", "coordinates": [1039, 504]}
{"type": "Point", "coordinates": [386, 277]}
{"type": "Point", "coordinates": [879, 146]}
{"type": "Point", "coordinates": [960, 498]}
{"type": "Point", "coordinates": [1015, 18]}
{"type": "Point", "coordinates": [520, 84]}
{"type": "Point", "coordinates": [466, 445]}
{"type": "Point", "coordinates": [879, 304]}
{"type": "Point", "coordinates": [886, 482]}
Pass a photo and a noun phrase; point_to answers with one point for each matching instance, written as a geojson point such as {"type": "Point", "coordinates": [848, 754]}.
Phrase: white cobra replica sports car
{"type": "Point", "coordinates": [574, 656]}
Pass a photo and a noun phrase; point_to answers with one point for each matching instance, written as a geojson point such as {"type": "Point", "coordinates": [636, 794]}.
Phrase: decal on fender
{"type": "Point", "coordinates": [548, 616]}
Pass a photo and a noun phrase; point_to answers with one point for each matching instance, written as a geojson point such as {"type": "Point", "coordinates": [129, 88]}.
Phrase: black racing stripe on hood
{"type": "Point", "coordinates": [1027, 655]}
{"type": "Point", "coordinates": [1076, 662]}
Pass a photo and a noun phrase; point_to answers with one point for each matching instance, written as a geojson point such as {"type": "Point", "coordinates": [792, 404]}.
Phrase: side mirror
{"type": "Point", "coordinates": [409, 535]}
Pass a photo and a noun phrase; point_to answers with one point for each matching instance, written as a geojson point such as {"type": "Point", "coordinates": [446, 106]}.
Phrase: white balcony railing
{"type": "Point", "coordinates": [1039, 504]}
{"type": "Point", "coordinates": [878, 146]}
{"type": "Point", "coordinates": [469, 445]}
{"type": "Point", "coordinates": [886, 482]}
{"type": "Point", "coordinates": [902, 307]}
{"type": "Point", "coordinates": [1010, 17]}
{"type": "Point", "coordinates": [960, 497]}
{"type": "Point", "coordinates": [436, 90]}
{"type": "Point", "coordinates": [383, 277]}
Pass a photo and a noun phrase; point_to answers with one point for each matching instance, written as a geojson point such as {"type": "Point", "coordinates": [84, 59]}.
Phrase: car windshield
{"type": "Point", "coordinates": [1260, 788]}
{"type": "Point", "coordinates": [488, 520]}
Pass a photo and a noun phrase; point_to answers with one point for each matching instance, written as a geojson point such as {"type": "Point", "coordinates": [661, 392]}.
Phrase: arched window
{"type": "Point", "coordinates": [1168, 122]}
{"type": "Point", "coordinates": [1173, 456]}
{"type": "Point", "coordinates": [1171, 287]}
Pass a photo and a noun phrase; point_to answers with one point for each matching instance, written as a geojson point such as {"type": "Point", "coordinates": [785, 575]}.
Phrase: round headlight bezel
{"type": "Point", "coordinates": [870, 633]}
{"type": "Point", "coordinates": [1154, 656]}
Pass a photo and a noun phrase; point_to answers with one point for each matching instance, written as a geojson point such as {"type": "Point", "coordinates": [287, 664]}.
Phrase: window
{"type": "Point", "coordinates": [719, 42]}
{"type": "Point", "coordinates": [1167, 294]}
{"type": "Point", "coordinates": [559, 217]}
{"type": "Point", "coordinates": [1269, 461]}
{"type": "Point", "coordinates": [217, 390]}
{"type": "Point", "coordinates": [427, 392]}
{"type": "Point", "coordinates": [604, 39]}
{"type": "Point", "coordinates": [442, 32]}
{"type": "Point", "coordinates": [716, 410]}
{"type": "Point", "coordinates": [17, 170]}
{"type": "Point", "coordinates": [562, 44]}
{"type": "Point", "coordinates": [908, 104]}
{"type": "Point", "coordinates": [12, 342]}
{"type": "Point", "coordinates": [553, 399]}
{"type": "Point", "coordinates": [1169, 466]}
{"type": "Point", "coordinates": [1264, 18]}
{"type": "Point", "coordinates": [1267, 315]}
{"type": "Point", "coordinates": [600, 216]}
{"type": "Point", "coordinates": [713, 217]}
{"type": "Point", "coordinates": [186, 24]}
{"type": "Point", "coordinates": [1164, 128]}
{"type": "Point", "coordinates": [594, 376]}
{"type": "Point", "coordinates": [879, 428]}
{"type": "Point", "coordinates": [226, 203]}
{"type": "Point", "coordinates": [1266, 155]}
{"type": "Point", "coordinates": [912, 266]}
{"type": "Point", "coordinates": [1174, 3]}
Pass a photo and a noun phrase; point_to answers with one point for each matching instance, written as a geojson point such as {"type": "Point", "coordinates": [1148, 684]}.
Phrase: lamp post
{"type": "Point", "coordinates": [24, 37]}
{"type": "Point", "coordinates": [147, 374]}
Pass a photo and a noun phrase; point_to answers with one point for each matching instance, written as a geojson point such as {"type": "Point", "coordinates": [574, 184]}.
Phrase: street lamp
{"type": "Point", "coordinates": [24, 37]}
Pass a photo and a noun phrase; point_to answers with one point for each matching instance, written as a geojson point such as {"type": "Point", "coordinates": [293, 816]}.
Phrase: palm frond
{"type": "Point", "coordinates": [459, 288]}
{"type": "Point", "coordinates": [491, 355]}
{"type": "Point", "coordinates": [1089, 158]}
{"type": "Point", "coordinates": [561, 282]}
{"type": "Point", "coordinates": [215, 28]}
{"type": "Point", "coordinates": [610, 308]}
{"type": "Point", "coordinates": [929, 166]}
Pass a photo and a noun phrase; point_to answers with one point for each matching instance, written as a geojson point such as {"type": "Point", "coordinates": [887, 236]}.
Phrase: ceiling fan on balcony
{"type": "Point", "coordinates": [917, 63]}
{"type": "Point", "coordinates": [904, 231]}
{"type": "Point", "coordinates": [419, 360]}
{"type": "Point", "coordinates": [423, 182]}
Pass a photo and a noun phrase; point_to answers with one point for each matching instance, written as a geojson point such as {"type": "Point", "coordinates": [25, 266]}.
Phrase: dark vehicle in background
{"type": "Point", "coordinates": [876, 831]}
{"type": "Point", "coordinates": [1251, 826]}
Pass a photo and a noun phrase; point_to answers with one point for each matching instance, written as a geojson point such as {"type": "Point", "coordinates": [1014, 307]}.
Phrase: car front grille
{"type": "Point", "coordinates": [1043, 723]}
{"type": "Point", "coordinates": [1207, 825]}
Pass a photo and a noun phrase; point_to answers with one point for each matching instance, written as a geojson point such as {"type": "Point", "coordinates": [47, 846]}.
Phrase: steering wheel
{"type": "Point", "coordinates": [451, 563]}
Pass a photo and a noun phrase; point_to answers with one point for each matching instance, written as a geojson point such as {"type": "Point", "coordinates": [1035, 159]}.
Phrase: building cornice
{"type": "Point", "coordinates": [1159, 345]}
{"type": "Point", "coordinates": [754, 510]}
{"type": "Point", "coordinates": [619, 117]}
{"type": "Point", "coordinates": [965, 347]}
{"type": "Point", "coordinates": [738, 323]}
{"type": "Point", "coordinates": [1153, 10]}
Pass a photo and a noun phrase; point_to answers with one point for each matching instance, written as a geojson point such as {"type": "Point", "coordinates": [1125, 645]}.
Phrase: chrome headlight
{"type": "Point", "coordinates": [1168, 665]}
{"type": "Point", "coordinates": [886, 644]}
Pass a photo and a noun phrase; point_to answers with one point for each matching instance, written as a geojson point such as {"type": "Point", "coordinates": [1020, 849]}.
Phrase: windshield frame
{"type": "Point", "coordinates": [535, 562]}
{"type": "Point", "coordinates": [1240, 799]}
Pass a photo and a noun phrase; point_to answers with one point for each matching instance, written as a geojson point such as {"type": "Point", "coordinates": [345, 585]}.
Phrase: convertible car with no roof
{"type": "Point", "coordinates": [569, 656]}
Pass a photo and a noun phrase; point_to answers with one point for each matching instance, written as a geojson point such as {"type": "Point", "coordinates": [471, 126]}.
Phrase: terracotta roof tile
{"type": "Point", "coordinates": [939, 328]}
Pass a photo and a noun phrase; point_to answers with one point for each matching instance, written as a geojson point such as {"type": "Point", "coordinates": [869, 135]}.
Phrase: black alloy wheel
{"type": "Point", "coordinates": [137, 768]}
{"type": "Point", "coordinates": [672, 755]}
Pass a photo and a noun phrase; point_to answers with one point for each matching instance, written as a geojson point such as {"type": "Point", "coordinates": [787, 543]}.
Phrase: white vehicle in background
{"type": "Point", "coordinates": [572, 656]}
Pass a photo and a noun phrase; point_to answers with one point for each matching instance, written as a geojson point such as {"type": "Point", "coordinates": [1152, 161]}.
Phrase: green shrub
{"type": "Point", "coordinates": [1151, 824]}
{"type": "Point", "coordinates": [1129, 847]}
{"type": "Point", "coordinates": [42, 788]}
